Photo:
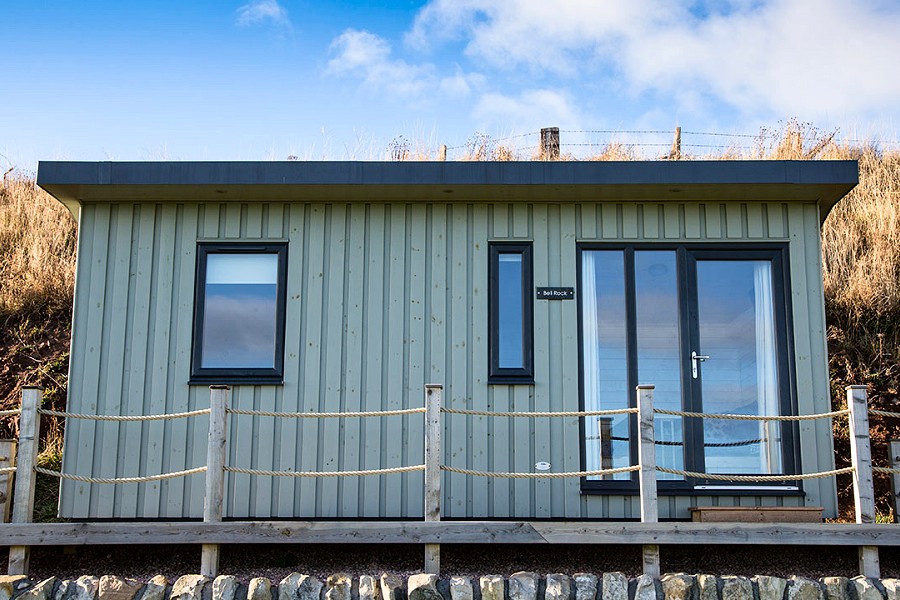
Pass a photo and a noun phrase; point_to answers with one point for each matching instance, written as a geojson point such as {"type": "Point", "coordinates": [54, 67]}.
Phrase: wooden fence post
{"type": "Point", "coordinates": [23, 498]}
{"type": "Point", "coordinates": [675, 152]}
{"type": "Point", "coordinates": [7, 461]}
{"type": "Point", "coordinates": [550, 143]}
{"type": "Point", "coordinates": [442, 153]}
{"type": "Point", "coordinates": [433, 394]}
{"type": "Point", "coordinates": [215, 474]}
{"type": "Point", "coordinates": [894, 461]}
{"type": "Point", "coordinates": [863, 488]}
{"type": "Point", "coordinates": [647, 462]}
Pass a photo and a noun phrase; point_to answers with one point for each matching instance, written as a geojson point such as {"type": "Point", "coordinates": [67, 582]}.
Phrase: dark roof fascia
{"type": "Point", "coordinates": [824, 182]}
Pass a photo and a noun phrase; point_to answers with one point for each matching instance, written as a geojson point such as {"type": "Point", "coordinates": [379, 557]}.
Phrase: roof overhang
{"type": "Point", "coordinates": [822, 182]}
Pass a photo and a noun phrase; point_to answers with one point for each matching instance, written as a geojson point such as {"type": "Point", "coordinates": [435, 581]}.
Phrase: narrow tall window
{"type": "Point", "coordinates": [239, 314]}
{"type": "Point", "coordinates": [511, 313]}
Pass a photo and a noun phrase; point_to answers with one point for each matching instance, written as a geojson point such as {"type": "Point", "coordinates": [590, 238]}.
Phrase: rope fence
{"type": "Point", "coordinates": [700, 415]}
{"type": "Point", "coordinates": [758, 478]}
{"type": "Point", "coordinates": [532, 415]}
{"type": "Point", "coordinates": [645, 470]}
{"type": "Point", "coordinates": [325, 415]}
{"type": "Point", "coordinates": [127, 418]}
{"type": "Point", "coordinates": [364, 473]}
{"type": "Point", "coordinates": [9, 413]}
{"type": "Point", "coordinates": [884, 413]}
{"type": "Point", "coordinates": [114, 480]}
{"type": "Point", "coordinates": [540, 475]}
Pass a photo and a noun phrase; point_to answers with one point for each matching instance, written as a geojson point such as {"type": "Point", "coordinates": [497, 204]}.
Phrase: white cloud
{"type": "Point", "coordinates": [461, 83]}
{"type": "Point", "coordinates": [259, 12]}
{"type": "Point", "coordinates": [530, 109]}
{"type": "Point", "coordinates": [368, 56]}
{"type": "Point", "coordinates": [802, 57]}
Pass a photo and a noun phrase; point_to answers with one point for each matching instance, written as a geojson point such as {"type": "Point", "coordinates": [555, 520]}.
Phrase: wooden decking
{"type": "Point", "coordinates": [449, 532]}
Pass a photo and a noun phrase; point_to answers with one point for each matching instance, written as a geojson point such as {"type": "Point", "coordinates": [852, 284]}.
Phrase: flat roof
{"type": "Point", "coordinates": [823, 182]}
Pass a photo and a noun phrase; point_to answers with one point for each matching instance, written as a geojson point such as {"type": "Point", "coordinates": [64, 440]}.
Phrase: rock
{"type": "Point", "coordinates": [770, 588]}
{"type": "Point", "coordinates": [615, 586]}
{"type": "Point", "coordinates": [865, 588]}
{"type": "Point", "coordinates": [9, 585]}
{"type": "Point", "coordinates": [117, 588]}
{"type": "Point", "coordinates": [523, 585]}
{"type": "Point", "coordinates": [224, 587]}
{"type": "Point", "coordinates": [645, 588]}
{"type": "Point", "coordinates": [369, 588]}
{"type": "Point", "coordinates": [260, 588]}
{"type": "Point", "coordinates": [892, 587]}
{"type": "Point", "coordinates": [62, 590]}
{"type": "Point", "coordinates": [337, 587]}
{"type": "Point", "coordinates": [188, 587]}
{"type": "Point", "coordinates": [585, 586]}
{"type": "Point", "coordinates": [422, 586]}
{"type": "Point", "coordinates": [86, 588]}
{"type": "Point", "coordinates": [155, 589]}
{"type": "Point", "coordinates": [559, 587]}
{"type": "Point", "coordinates": [461, 589]}
{"type": "Point", "coordinates": [299, 587]}
{"type": "Point", "coordinates": [310, 588]}
{"type": "Point", "coordinates": [804, 589]}
{"type": "Point", "coordinates": [491, 587]}
{"type": "Point", "coordinates": [41, 591]}
{"type": "Point", "coordinates": [835, 588]}
{"type": "Point", "coordinates": [735, 587]}
{"type": "Point", "coordinates": [677, 586]}
{"type": "Point", "coordinates": [708, 587]}
{"type": "Point", "coordinates": [392, 587]}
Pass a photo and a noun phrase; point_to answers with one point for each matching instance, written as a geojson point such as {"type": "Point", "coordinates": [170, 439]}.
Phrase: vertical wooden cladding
{"type": "Point", "coordinates": [672, 221]}
{"type": "Point", "coordinates": [382, 298]}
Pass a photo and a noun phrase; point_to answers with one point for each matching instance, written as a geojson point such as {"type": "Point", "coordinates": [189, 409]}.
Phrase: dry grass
{"type": "Point", "coordinates": [37, 249]}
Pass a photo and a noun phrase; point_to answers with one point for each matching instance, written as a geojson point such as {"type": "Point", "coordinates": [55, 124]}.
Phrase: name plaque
{"type": "Point", "coordinates": [556, 293]}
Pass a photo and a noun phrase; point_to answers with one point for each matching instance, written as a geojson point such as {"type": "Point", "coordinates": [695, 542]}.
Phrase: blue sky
{"type": "Point", "coordinates": [269, 79]}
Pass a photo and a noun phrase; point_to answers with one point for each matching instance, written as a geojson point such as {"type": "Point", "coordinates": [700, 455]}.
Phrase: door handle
{"type": "Point", "coordinates": [696, 359]}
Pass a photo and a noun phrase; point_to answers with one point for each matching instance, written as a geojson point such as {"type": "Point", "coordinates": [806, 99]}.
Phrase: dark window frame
{"type": "Point", "coordinates": [686, 253]}
{"type": "Point", "coordinates": [230, 375]}
{"type": "Point", "coordinates": [496, 373]}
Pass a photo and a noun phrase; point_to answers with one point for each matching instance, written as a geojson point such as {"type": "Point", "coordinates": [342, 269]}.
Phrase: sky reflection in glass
{"type": "Point", "coordinates": [511, 349]}
{"type": "Point", "coordinates": [240, 311]}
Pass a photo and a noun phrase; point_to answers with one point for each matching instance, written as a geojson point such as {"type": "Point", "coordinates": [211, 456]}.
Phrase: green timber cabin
{"type": "Point", "coordinates": [521, 286]}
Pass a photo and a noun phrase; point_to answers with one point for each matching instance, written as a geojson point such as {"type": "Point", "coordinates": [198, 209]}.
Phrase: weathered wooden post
{"type": "Point", "coordinates": [433, 394]}
{"type": "Point", "coordinates": [550, 143]}
{"type": "Point", "coordinates": [215, 474]}
{"type": "Point", "coordinates": [894, 461]}
{"type": "Point", "coordinates": [442, 153]}
{"type": "Point", "coordinates": [7, 461]}
{"type": "Point", "coordinates": [863, 488]}
{"type": "Point", "coordinates": [675, 152]}
{"type": "Point", "coordinates": [647, 473]}
{"type": "Point", "coordinates": [23, 497]}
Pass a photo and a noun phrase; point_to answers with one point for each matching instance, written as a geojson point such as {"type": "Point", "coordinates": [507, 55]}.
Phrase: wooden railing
{"type": "Point", "coordinates": [650, 534]}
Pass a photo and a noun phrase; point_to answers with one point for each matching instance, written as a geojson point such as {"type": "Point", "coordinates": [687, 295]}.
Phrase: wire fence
{"type": "Point", "coordinates": [585, 144]}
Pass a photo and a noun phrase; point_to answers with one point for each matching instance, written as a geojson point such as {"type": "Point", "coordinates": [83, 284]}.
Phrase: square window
{"type": "Point", "coordinates": [239, 313]}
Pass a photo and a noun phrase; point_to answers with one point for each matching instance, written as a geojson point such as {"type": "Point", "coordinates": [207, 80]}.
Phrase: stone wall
{"type": "Point", "coordinates": [519, 586]}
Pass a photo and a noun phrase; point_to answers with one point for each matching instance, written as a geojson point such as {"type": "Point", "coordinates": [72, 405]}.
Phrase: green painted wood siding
{"type": "Point", "coordinates": [381, 299]}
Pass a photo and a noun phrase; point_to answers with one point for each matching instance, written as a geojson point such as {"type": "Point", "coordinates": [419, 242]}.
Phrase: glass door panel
{"type": "Point", "coordinates": [605, 361]}
{"type": "Point", "coordinates": [659, 349]}
{"type": "Point", "coordinates": [736, 365]}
